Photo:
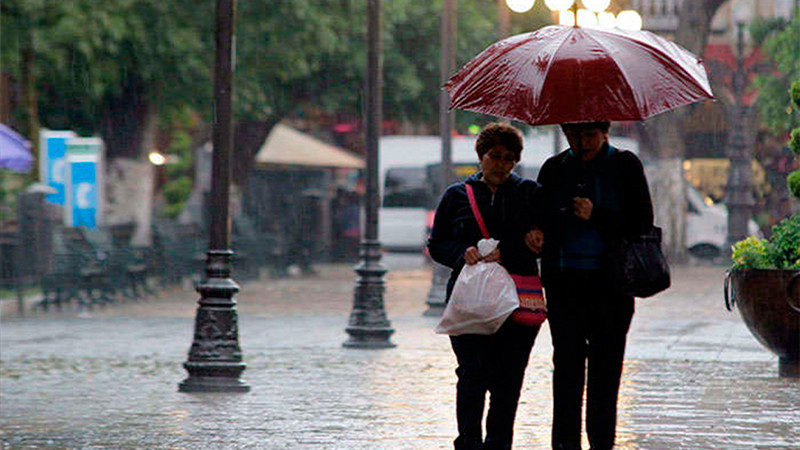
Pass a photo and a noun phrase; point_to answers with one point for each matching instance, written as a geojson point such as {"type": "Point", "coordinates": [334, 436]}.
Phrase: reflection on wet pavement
{"type": "Point", "coordinates": [111, 382]}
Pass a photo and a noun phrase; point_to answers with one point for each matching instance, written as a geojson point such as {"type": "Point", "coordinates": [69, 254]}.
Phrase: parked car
{"type": "Point", "coordinates": [707, 226]}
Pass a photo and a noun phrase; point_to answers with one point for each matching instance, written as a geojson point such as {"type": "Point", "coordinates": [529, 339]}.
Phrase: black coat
{"type": "Point", "coordinates": [509, 213]}
{"type": "Point", "coordinates": [561, 179]}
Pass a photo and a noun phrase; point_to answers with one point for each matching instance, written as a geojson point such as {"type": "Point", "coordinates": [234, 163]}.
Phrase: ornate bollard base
{"type": "Point", "coordinates": [368, 326]}
{"type": "Point", "coordinates": [212, 384]}
{"type": "Point", "coordinates": [364, 337]}
{"type": "Point", "coordinates": [213, 377]}
{"type": "Point", "coordinates": [215, 359]}
{"type": "Point", "coordinates": [789, 368]}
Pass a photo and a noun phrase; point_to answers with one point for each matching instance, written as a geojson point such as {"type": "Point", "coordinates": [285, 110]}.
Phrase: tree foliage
{"type": "Point", "coordinates": [296, 56]}
{"type": "Point", "coordinates": [99, 58]}
{"type": "Point", "coordinates": [782, 47]}
{"type": "Point", "coordinates": [108, 67]}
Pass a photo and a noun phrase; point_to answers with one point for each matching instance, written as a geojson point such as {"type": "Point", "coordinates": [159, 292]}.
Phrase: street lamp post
{"type": "Point", "coordinates": [215, 359]}
{"type": "Point", "coordinates": [437, 291]}
{"type": "Point", "coordinates": [739, 190]}
{"type": "Point", "coordinates": [368, 325]}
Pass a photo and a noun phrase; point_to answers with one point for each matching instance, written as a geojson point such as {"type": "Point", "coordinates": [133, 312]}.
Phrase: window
{"type": "Point", "coordinates": [405, 188]}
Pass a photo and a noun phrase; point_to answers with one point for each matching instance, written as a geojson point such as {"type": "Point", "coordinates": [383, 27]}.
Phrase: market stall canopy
{"type": "Point", "coordinates": [287, 146]}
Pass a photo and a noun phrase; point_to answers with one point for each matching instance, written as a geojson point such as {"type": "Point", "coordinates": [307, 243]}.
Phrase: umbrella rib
{"type": "Point", "coordinates": [467, 87]}
{"type": "Point", "coordinates": [677, 50]}
{"type": "Point", "coordinates": [658, 53]}
{"type": "Point", "coordinates": [619, 68]}
{"type": "Point", "coordinates": [551, 60]}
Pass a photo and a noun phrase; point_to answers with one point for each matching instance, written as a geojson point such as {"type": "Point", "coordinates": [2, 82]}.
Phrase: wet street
{"type": "Point", "coordinates": [694, 378]}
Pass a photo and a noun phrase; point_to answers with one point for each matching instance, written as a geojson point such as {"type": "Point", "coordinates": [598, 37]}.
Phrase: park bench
{"type": "Point", "coordinates": [125, 265]}
{"type": "Point", "coordinates": [178, 251]}
{"type": "Point", "coordinates": [78, 272]}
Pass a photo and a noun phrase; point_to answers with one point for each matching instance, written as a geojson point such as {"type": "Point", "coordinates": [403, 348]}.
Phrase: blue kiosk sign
{"type": "Point", "coordinates": [84, 194]}
{"type": "Point", "coordinates": [53, 163]}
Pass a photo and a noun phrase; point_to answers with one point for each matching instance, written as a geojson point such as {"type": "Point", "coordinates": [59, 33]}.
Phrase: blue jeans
{"type": "Point", "coordinates": [494, 364]}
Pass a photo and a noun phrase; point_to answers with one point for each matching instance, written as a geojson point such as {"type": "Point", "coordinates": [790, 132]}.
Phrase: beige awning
{"type": "Point", "coordinates": [287, 146]}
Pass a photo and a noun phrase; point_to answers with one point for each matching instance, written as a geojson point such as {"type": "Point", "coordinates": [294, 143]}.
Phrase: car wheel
{"type": "Point", "coordinates": [705, 251]}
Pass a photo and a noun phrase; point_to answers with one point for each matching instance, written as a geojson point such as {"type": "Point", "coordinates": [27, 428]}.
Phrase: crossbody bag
{"type": "Point", "coordinates": [532, 309]}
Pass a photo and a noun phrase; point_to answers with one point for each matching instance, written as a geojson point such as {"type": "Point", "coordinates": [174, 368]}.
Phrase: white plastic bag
{"type": "Point", "coordinates": [483, 297]}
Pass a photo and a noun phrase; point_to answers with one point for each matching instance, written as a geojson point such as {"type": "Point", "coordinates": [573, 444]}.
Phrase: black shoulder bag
{"type": "Point", "coordinates": [644, 269]}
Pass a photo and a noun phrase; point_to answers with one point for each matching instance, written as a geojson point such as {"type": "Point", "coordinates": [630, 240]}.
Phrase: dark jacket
{"type": "Point", "coordinates": [508, 214]}
{"type": "Point", "coordinates": [625, 211]}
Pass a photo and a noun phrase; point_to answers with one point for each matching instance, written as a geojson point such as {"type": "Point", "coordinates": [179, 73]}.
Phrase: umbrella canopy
{"type": "Point", "coordinates": [560, 74]}
{"type": "Point", "coordinates": [15, 152]}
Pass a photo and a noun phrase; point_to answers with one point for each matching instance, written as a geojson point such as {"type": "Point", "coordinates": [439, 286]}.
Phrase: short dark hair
{"type": "Point", "coordinates": [581, 126]}
{"type": "Point", "coordinates": [499, 133]}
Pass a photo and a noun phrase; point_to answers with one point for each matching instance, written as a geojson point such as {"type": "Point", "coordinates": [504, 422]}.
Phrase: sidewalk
{"type": "Point", "coordinates": [694, 377]}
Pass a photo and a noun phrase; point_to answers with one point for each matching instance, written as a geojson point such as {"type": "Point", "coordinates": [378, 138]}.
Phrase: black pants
{"type": "Point", "coordinates": [588, 322]}
{"type": "Point", "coordinates": [495, 364]}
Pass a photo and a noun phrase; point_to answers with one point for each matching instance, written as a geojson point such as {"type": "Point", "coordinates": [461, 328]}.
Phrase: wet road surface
{"type": "Point", "coordinates": [694, 376]}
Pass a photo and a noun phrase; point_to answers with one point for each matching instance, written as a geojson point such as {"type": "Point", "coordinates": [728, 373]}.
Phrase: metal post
{"type": "Point", "coordinates": [368, 325]}
{"type": "Point", "coordinates": [446, 119]}
{"type": "Point", "coordinates": [215, 359]}
{"type": "Point", "coordinates": [437, 291]}
{"type": "Point", "coordinates": [739, 190]}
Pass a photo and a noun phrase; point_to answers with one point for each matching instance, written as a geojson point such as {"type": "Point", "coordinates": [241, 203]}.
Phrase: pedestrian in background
{"type": "Point", "coordinates": [489, 363]}
{"type": "Point", "coordinates": [594, 196]}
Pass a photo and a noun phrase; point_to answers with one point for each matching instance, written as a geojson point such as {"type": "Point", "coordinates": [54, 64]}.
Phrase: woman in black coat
{"type": "Point", "coordinates": [494, 363]}
{"type": "Point", "coordinates": [594, 196]}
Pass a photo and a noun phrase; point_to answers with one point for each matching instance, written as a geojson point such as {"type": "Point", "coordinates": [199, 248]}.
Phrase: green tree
{"type": "Point", "coordinates": [779, 111]}
{"type": "Point", "coordinates": [781, 45]}
{"type": "Point", "coordinates": [297, 58]}
{"type": "Point", "coordinates": [111, 68]}
{"type": "Point", "coordinates": [122, 68]}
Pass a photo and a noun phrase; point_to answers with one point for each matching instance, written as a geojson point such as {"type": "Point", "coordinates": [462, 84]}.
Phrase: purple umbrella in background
{"type": "Point", "coordinates": [15, 152]}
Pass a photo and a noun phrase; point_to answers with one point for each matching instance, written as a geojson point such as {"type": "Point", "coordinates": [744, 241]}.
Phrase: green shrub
{"type": "Point", "coordinates": [784, 248]}
{"type": "Point", "coordinates": [781, 251]}
{"type": "Point", "coordinates": [176, 192]}
{"type": "Point", "coordinates": [793, 181]}
{"type": "Point", "coordinates": [751, 253]}
{"type": "Point", "coordinates": [794, 141]}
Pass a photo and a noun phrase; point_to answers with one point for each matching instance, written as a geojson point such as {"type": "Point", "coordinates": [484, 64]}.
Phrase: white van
{"type": "Point", "coordinates": [403, 181]}
{"type": "Point", "coordinates": [707, 226]}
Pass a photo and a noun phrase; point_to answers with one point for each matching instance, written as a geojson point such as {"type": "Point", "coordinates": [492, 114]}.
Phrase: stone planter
{"type": "Point", "coordinates": [769, 303]}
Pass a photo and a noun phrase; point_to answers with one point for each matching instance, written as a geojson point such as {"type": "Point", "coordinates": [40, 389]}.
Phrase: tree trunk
{"type": "Point", "coordinates": [129, 132]}
{"type": "Point", "coordinates": [124, 121]}
{"type": "Point", "coordinates": [665, 135]}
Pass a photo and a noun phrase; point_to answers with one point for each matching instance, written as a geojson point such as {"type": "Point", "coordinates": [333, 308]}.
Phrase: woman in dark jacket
{"type": "Point", "coordinates": [494, 363]}
{"type": "Point", "coordinates": [594, 196]}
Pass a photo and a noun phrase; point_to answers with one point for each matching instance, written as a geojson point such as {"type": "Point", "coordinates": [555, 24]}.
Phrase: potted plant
{"type": "Point", "coordinates": [765, 279]}
{"type": "Point", "coordinates": [765, 285]}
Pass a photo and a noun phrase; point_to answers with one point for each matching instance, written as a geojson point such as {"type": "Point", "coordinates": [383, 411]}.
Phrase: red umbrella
{"type": "Point", "coordinates": [560, 74]}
